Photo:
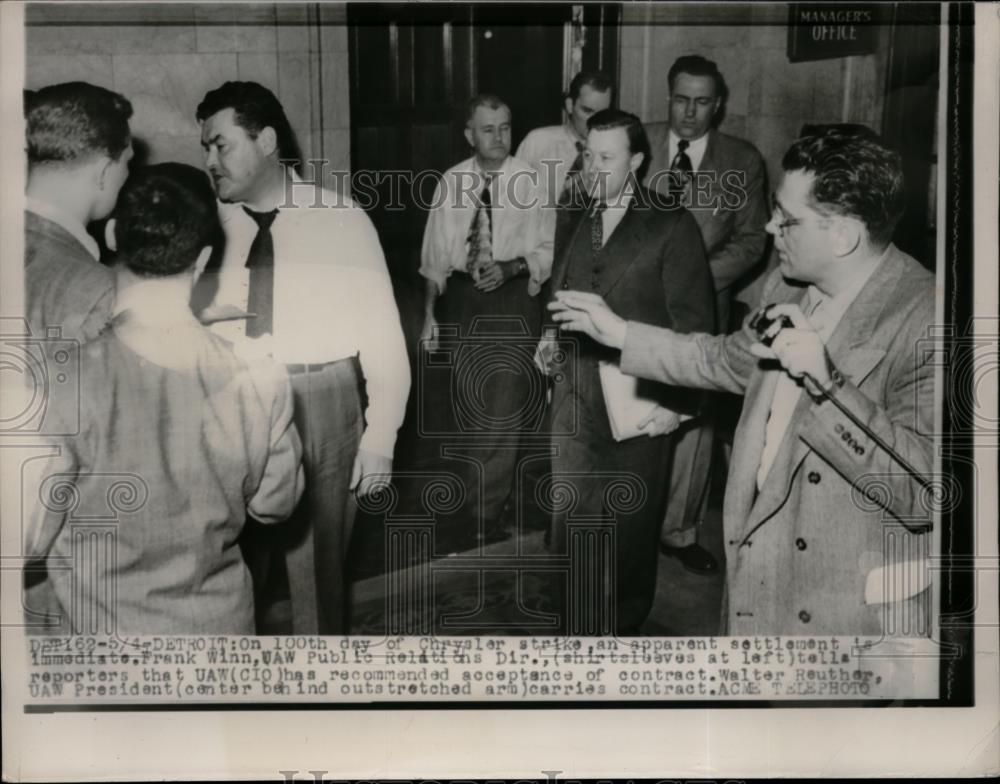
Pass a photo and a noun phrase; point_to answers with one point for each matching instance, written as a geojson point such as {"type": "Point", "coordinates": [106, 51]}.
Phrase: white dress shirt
{"type": "Point", "coordinates": [332, 299]}
{"type": "Point", "coordinates": [824, 314]}
{"type": "Point", "coordinates": [695, 151]}
{"type": "Point", "coordinates": [521, 226]}
{"type": "Point", "coordinates": [72, 225]}
{"type": "Point", "coordinates": [551, 151]}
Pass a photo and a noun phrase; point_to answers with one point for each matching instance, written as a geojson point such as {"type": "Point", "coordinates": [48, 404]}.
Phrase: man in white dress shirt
{"type": "Point", "coordinates": [486, 252]}
{"type": "Point", "coordinates": [307, 264]}
{"type": "Point", "coordinates": [556, 151]}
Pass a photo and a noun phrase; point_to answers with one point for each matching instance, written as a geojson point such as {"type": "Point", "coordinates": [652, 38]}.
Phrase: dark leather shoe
{"type": "Point", "coordinates": [694, 558]}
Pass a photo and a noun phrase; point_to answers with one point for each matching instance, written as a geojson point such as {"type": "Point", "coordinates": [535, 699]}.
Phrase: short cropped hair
{"type": "Point", "coordinates": [254, 108]}
{"type": "Point", "coordinates": [596, 80]}
{"type": "Point", "coordinates": [696, 65]}
{"type": "Point", "coordinates": [75, 121]}
{"type": "Point", "coordinates": [608, 119]}
{"type": "Point", "coordinates": [165, 215]}
{"type": "Point", "coordinates": [489, 100]}
{"type": "Point", "coordinates": [855, 175]}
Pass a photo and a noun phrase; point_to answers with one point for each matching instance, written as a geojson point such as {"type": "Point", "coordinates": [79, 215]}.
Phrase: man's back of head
{"type": "Point", "coordinates": [166, 216]}
{"type": "Point", "coordinates": [78, 145]}
{"type": "Point", "coordinates": [74, 121]}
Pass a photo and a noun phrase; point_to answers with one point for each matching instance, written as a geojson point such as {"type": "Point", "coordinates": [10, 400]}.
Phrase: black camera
{"type": "Point", "coordinates": [761, 323]}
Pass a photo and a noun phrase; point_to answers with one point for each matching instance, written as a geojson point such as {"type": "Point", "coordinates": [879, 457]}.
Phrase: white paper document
{"type": "Point", "coordinates": [627, 408]}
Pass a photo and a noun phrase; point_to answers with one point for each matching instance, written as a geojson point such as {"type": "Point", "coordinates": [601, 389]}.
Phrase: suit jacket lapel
{"type": "Point", "coordinates": [742, 482]}
{"type": "Point", "coordinates": [708, 163]}
{"type": "Point", "coordinates": [854, 355]}
{"type": "Point", "coordinates": [622, 247]}
{"type": "Point", "coordinates": [566, 232]}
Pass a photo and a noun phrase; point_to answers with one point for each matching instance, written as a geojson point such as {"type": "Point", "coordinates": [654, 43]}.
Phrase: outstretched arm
{"type": "Point", "coordinates": [698, 360]}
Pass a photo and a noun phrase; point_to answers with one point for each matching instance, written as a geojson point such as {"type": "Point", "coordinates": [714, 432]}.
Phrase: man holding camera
{"type": "Point", "coordinates": [809, 549]}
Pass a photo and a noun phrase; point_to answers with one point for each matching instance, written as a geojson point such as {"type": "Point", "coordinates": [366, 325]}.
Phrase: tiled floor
{"type": "Point", "coordinates": [478, 591]}
{"type": "Point", "coordinates": [494, 587]}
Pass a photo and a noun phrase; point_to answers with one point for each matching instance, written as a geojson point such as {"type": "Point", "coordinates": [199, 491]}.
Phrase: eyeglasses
{"type": "Point", "coordinates": [776, 210]}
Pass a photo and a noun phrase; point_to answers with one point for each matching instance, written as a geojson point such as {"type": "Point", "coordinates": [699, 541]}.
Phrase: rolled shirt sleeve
{"type": "Point", "coordinates": [435, 255]}
{"type": "Point", "coordinates": [522, 228]}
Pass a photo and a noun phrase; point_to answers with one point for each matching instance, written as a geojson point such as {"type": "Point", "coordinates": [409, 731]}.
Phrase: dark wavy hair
{"type": "Point", "coordinates": [608, 119]}
{"type": "Point", "coordinates": [255, 108]}
{"type": "Point", "coordinates": [596, 80]}
{"type": "Point", "coordinates": [164, 216]}
{"type": "Point", "coordinates": [696, 65]}
{"type": "Point", "coordinates": [74, 121]}
{"type": "Point", "coordinates": [855, 175]}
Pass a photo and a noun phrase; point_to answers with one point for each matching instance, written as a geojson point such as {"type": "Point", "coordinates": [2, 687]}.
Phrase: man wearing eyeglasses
{"type": "Point", "coordinates": [811, 546]}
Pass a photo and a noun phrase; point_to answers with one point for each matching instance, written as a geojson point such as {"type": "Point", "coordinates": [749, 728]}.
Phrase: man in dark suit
{"type": "Point", "coordinates": [721, 179]}
{"type": "Point", "coordinates": [826, 527]}
{"type": "Point", "coordinates": [648, 260]}
{"type": "Point", "coordinates": [79, 146]}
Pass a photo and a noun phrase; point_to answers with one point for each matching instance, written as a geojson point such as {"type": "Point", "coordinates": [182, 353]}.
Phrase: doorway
{"type": "Point", "coordinates": [413, 68]}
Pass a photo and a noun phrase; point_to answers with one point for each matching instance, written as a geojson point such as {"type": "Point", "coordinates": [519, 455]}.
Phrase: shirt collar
{"type": "Point", "coordinates": [504, 167]}
{"type": "Point", "coordinates": [622, 203]}
{"type": "Point", "coordinates": [145, 305]}
{"type": "Point", "coordinates": [836, 306]}
{"type": "Point", "coordinates": [693, 146]}
{"type": "Point", "coordinates": [571, 134]}
{"type": "Point", "coordinates": [66, 221]}
{"type": "Point", "coordinates": [227, 209]}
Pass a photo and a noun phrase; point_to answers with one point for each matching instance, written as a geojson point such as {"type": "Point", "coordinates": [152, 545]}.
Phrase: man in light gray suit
{"type": "Point", "coordinates": [79, 146]}
{"type": "Point", "coordinates": [810, 549]}
{"type": "Point", "coordinates": [720, 179]}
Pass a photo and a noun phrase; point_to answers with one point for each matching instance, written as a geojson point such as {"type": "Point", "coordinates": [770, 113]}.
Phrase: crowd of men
{"type": "Point", "coordinates": [242, 355]}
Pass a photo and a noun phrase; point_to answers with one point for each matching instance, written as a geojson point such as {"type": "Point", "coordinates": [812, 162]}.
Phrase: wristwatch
{"type": "Point", "coordinates": [519, 267]}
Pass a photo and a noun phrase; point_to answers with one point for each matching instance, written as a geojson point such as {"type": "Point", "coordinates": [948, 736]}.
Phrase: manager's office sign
{"type": "Point", "coordinates": [819, 31]}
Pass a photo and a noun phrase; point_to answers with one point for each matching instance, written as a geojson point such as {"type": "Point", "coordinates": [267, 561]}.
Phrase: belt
{"type": "Point", "coordinates": [296, 368]}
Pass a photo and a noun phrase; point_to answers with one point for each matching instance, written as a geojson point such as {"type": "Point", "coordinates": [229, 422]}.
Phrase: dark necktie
{"type": "Point", "coordinates": [260, 262]}
{"type": "Point", "coordinates": [681, 168]}
{"type": "Point", "coordinates": [597, 227]}
{"type": "Point", "coordinates": [572, 182]}
{"type": "Point", "coordinates": [481, 232]}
